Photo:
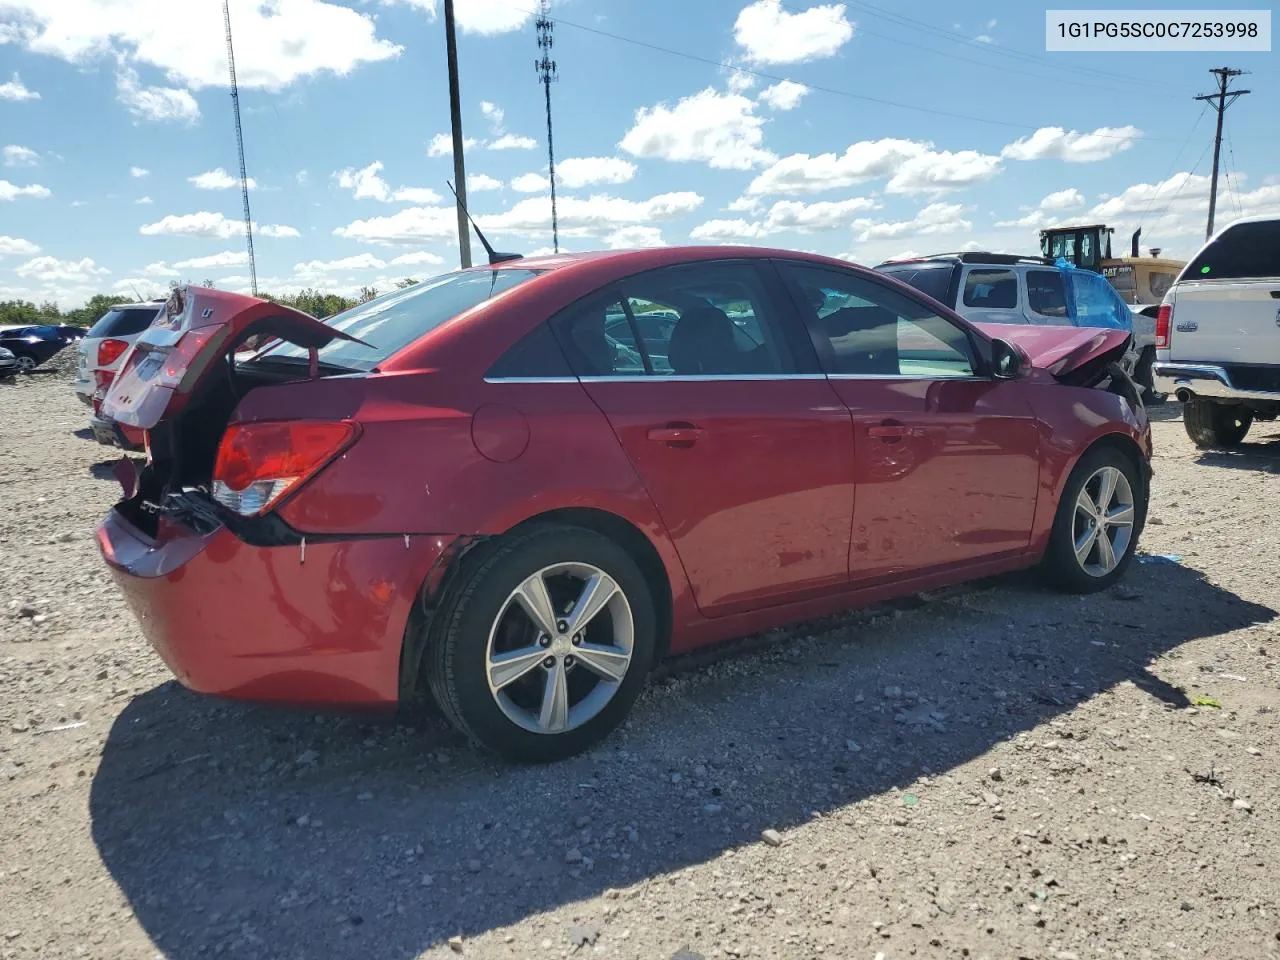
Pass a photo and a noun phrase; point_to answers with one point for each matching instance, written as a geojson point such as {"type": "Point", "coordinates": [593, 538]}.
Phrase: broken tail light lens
{"type": "Point", "coordinates": [258, 463]}
{"type": "Point", "coordinates": [110, 350]}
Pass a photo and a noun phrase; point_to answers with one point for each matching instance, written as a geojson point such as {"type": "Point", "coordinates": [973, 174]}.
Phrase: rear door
{"type": "Point", "coordinates": [1227, 300]}
{"type": "Point", "coordinates": [989, 294]}
{"type": "Point", "coordinates": [947, 459]}
{"type": "Point", "coordinates": [743, 446]}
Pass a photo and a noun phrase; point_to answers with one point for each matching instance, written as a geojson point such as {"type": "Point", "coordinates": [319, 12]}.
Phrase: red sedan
{"type": "Point", "coordinates": [520, 485]}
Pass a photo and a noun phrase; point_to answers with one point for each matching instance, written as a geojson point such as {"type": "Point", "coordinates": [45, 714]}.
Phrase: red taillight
{"type": "Point", "coordinates": [109, 351]}
{"type": "Point", "coordinates": [103, 378]}
{"type": "Point", "coordinates": [258, 463]}
{"type": "Point", "coordinates": [1164, 323]}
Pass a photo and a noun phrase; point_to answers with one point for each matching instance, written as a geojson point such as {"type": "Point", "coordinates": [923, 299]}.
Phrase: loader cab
{"type": "Point", "coordinates": [1086, 247]}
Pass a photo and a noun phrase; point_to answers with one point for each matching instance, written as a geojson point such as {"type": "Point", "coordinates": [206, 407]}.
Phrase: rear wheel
{"type": "Point", "coordinates": [1210, 424]}
{"type": "Point", "coordinates": [1095, 531]}
{"type": "Point", "coordinates": [545, 646]}
{"type": "Point", "coordinates": [26, 362]}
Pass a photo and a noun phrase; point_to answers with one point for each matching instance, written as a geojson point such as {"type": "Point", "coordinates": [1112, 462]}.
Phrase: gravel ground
{"type": "Point", "coordinates": [991, 772]}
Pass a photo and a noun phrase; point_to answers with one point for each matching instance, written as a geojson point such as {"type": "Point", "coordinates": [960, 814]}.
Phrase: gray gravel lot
{"type": "Point", "coordinates": [992, 772]}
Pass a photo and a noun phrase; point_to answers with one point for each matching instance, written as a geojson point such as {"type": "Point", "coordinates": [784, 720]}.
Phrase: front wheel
{"type": "Point", "coordinates": [1215, 425]}
{"type": "Point", "coordinates": [1095, 531]}
{"type": "Point", "coordinates": [545, 646]}
{"type": "Point", "coordinates": [26, 362]}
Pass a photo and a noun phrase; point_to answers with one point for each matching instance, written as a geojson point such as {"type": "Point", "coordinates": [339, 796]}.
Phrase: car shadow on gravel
{"type": "Point", "coordinates": [250, 832]}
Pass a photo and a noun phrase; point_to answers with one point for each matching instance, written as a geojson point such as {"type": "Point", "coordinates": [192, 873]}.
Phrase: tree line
{"type": "Point", "coordinates": [318, 303]}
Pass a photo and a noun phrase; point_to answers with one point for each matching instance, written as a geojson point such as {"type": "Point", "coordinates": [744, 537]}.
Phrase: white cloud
{"type": "Point", "coordinates": [416, 195]}
{"type": "Point", "coordinates": [158, 269]}
{"type": "Point", "coordinates": [768, 33]}
{"type": "Point", "coordinates": [16, 246]}
{"type": "Point", "coordinates": [912, 166]}
{"type": "Point", "coordinates": [366, 183]}
{"type": "Point", "coordinates": [786, 215]}
{"type": "Point", "coordinates": [493, 113]}
{"type": "Point", "coordinates": [511, 141]}
{"type": "Point", "coordinates": [935, 218]}
{"type": "Point", "coordinates": [577, 172]}
{"type": "Point", "coordinates": [1063, 200]}
{"type": "Point", "coordinates": [590, 216]}
{"type": "Point", "coordinates": [301, 177]}
{"type": "Point", "coordinates": [155, 103]}
{"type": "Point", "coordinates": [277, 43]}
{"type": "Point", "coordinates": [1055, 143]}
{"type": "Point", "coordinates": [984, 38]}
{"type": "Point", "coordinates": [211, 226]}
{"type": "Point", "coordinates": [138, 286]}
{"type": "Point", "coordinates": [631, 237]}
{"type": "Point", "coordinates": [740, 81]}
{"type": "Point", "coordinates": [417, 259]}
{"type": "Point", "coordinates": [16, 156]}
{"type": "Point", "coordinates": [746, 205]}
{"type": "Point", "coordinates": [489, 17]}
{"type": "Point", "coordinates": [476, 182]}
{"type": "Point", "coordinates": [139, 172]}
{"type": "Point", "coordinates": [9, 191]}
{"type": "Point", "coordinates": [219, 179]}
{"type": "Point", "coordinates": [530, 183]}
{"type": "Point", "coordinates": [51, 269]}
{"type": "Point", "coordinates": [318, 268]}
{"type": "Point", "coordinates": [16, 91]}
{"type": "Point", "coordinates": [441, 145]}
{"type": "Point", "coordinates": [719, 129]}
{"type": "Point", "coordinates": [143, 201]}
{"type": "Point", "coordinates": [783, 95]}
{"type": "Point", "coordinates": [227, 258]}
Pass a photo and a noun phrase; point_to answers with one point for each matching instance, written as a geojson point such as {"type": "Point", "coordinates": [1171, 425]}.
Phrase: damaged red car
{"type": "Point", "coordinates": [519, 486]}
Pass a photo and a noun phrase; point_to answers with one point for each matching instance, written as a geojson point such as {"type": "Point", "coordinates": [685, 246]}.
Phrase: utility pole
{"type": "Point", "coordinates": [1224, 75]}
{"type": "Point", "coordinates": [244, 179]}
{"type": "Point", "coordinates": [546, 68]}
{"type": "Point", "coordinates": [455, 121]}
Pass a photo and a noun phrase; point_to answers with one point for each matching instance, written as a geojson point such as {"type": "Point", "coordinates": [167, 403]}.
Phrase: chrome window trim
{"type": "Point", "coordinates": [663, 378]}
{"type": "Point", "coordinates": [905, 376]}
{"type": "Point", "coordinates": [530, 379]}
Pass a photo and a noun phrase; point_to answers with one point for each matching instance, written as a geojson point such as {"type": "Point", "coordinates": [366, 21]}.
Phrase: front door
{"type": "Point", "coordinates": [742, 444]}
{"type": "Point", "coordinates": [946, 459]}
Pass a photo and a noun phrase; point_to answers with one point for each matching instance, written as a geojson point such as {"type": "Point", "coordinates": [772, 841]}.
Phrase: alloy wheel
{"type": "Point", "coordinates": [559, 648]}
{"type": "Point", "coordinates": [26, 364]}
{"type": "Point", "coordinates": [1102, 528]}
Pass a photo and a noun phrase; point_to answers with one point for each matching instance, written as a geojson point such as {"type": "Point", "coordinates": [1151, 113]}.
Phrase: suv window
{"type": "Point", "coordinates": [931, 279]}
{"type": "Point", "coordinates": [124, 323]}
{"type": "Point", "coordinates": [991, 289]}
{"type": "Point", "coordinates": [876, 331]}
{"type": "Point", "coordinates": [1046, 293]}
{"type": "Point", "coordinates": [710, 319]}
{"type": "Point", "coordinates": [1240, 252]}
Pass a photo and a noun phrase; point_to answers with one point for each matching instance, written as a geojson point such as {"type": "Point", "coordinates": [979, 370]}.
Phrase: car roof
{"type": "Point", "coordinates": [971, 256]}
{"type": "Point", "coordinates": [651, 257]}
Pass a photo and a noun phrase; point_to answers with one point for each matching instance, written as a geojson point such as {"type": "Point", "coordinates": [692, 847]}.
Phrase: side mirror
{"type": "Point", "coordinates": [1007, 361]}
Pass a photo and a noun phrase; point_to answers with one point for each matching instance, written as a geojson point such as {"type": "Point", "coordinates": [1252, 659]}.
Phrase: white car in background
{"type": "Point", "coordinates": [101, 351]}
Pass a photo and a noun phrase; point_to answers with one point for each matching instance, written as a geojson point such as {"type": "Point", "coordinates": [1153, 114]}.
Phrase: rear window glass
{"type": "Point", "coordinates": [931, 279]}
{"type": "Point", "coordinates": [123, 323]}
{"type": "Point", "coordinates": [394, 320]}
{"type": "Point", "coordinates": [1242, 251]}
{"type": "Point", "coordinates": [991, 289]}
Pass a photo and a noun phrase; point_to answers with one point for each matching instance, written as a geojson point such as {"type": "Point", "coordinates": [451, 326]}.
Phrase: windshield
{"type": "Point", "coordinates": [393, 321]}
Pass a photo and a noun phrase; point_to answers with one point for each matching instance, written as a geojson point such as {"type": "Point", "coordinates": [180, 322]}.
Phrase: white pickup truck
{"type": "Point", "coordinates": [1218, 334]}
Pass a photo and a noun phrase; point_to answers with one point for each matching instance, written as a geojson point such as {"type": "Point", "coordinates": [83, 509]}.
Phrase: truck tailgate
{"type": "Point", "coordinates": [1226, 322]}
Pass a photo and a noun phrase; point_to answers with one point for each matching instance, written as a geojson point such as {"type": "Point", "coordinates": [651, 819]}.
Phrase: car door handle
{"type": "Point", "coordinates": [889, 431]}
{"type": "Point", "coordinates": [677, 434]}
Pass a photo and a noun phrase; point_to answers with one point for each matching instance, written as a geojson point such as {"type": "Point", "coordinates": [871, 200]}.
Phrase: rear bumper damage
{"type": "Point", "coordinates": [316, 623]}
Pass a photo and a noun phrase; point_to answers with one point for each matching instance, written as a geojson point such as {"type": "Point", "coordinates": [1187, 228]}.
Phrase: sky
{"type": "Point", "coordinates": [866, 130]}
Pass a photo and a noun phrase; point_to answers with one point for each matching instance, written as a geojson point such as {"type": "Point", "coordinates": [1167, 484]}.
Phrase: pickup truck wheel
{"type": "Point", "coordinates": [1095, 531]}
{"type": "Point", "coordinates": [1219, 425]}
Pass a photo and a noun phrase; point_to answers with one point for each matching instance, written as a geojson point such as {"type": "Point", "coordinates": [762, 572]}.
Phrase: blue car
{"type": "Point", "coordinates": [33, 345]}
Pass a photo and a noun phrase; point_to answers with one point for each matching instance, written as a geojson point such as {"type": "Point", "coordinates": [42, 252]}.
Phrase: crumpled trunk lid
{"type": "Point", "coordinates": [198, 327]}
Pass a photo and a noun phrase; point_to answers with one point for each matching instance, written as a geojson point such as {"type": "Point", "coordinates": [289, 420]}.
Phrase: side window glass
{"type": "Point", "coordinates": [535, 355]}
{"type": "Point", "coordinates": [987, 289]}
{"type": "Point", "coordinates": [876, 331]}
{"type": "Point", "coordinates": [1046, 294]}
{"type": "Point", "coordinates": [708, 320]}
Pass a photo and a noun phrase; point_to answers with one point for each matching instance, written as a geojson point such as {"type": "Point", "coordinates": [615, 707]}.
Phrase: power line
{"type": "Point", "coordinates": [1225, 75]}
{"type": "Point", "coordinates": [775, 78]}
{"type": "Point", "coordinates": [954, 37]}
{"type": "Point", "coordinates": [1185, 180]}
{"type": "Point", "coordinates": [1174, 162]}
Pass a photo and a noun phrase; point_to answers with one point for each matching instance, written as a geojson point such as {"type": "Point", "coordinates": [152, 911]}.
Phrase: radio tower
{"type": "Point", "coordinates": [546, 68]}
{"type": "Point", "coordinates": [244, 180]}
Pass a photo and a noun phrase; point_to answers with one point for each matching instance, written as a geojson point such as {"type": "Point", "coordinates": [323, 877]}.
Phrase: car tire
{"type": "Point", "coordinates": [1215, 425]}
{"type": "Point", "coordinates": [527, 712]}
{"type": "Point", "coordinates": [26, 362]}
{"type": "Point", "coordinates": [1076, 560]}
